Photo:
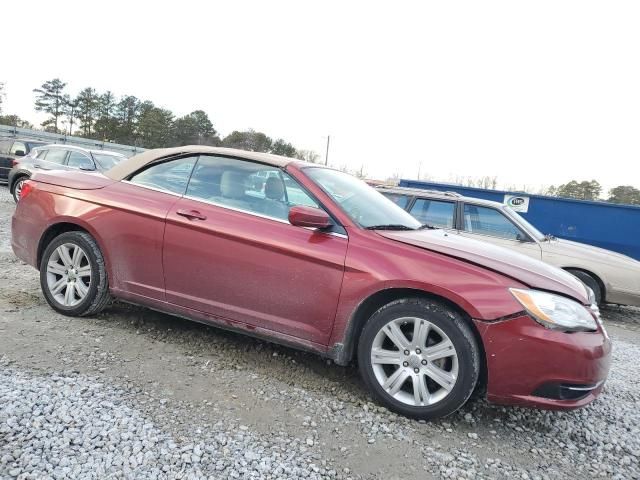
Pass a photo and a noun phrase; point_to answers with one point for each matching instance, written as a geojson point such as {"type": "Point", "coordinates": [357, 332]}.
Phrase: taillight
{"type": "Point", "coordinates": [27, 186]}
{"type": "Point", "coordinates": [14, 162]}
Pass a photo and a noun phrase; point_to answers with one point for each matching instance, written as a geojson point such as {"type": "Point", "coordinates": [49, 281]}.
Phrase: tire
{"type": "Point", "coordinates": [17, 187]}
{"type": "Point", "coordinates": [459, 359]}
{"type": "Point", "coordinates": [74, 285]}
{"type": "Point", "coordinates": [590, 282]}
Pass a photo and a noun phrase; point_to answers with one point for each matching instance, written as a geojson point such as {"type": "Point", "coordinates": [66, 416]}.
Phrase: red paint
{"type": "Point", "coordinates": [310, 217]}
{"type": "Point", "coordinates": [302, 287]}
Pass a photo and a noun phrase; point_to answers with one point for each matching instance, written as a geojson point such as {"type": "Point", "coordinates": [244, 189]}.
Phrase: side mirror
{"type": "Point", "coordinates": [309, 217]}
{"type": "Point", "coordinates": [19, 153]}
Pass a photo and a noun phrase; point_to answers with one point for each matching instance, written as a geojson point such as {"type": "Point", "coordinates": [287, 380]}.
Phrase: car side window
{"type": "Point", "coordinates": [5, 145]}
{"type": "Point", "coordinates": [18, 146]}
{"type": "Point", "coordinates": [41, 154]}
{"type": "Point", "coordinates": [434, 212]}
{"type": "Point", "coordinates": [489, 221]}
{"type": "Point", "coordinates": [397, 198]}
{"type": "Point", "coordinates": [247, 186]}
{"type": "Point", "coordinates": [79, 160]}
{"type": "Point", "coordinates": [170, 176]}
{"type": "Point", "coordinates": [56, 155]}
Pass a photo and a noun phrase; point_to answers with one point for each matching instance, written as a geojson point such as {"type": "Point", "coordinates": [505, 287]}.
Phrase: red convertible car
{"type": "Point", "coordinates": [313, 258]}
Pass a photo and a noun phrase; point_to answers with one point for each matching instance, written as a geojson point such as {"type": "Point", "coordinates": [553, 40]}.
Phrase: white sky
{"type": "Point", "coordinates": [536, 93]}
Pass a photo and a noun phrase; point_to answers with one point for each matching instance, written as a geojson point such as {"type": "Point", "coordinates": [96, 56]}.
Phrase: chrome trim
{"type": "Point", "coordinates": [585, 389]}
{"type": "Point", "coordinates": [152, 188]}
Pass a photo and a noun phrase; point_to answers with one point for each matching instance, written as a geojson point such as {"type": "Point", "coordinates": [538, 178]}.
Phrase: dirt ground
{"type": "Point", "coordinates": [188, 375]}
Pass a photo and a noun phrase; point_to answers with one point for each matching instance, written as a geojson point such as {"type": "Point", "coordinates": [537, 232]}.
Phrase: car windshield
{"type": "Point", "coordinates": [530, 229]}
{"type": "Point", "coordinates": [108, 160]}
{"type": "Point", "coordinates": [364, 205]}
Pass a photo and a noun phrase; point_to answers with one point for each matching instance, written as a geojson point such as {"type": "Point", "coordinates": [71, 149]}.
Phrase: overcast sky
{"type": "Point", "coordinates": [535, 93]}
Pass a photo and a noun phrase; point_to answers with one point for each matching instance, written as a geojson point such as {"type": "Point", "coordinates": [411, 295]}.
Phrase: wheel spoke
{"type": "Point", "coordinates": [81, 289]}
{"type": "Point", "coordinates": [445, 379]}
{"type": "Point", "coordinates": [76, 257]}
{"type": "Point", "coordinates": [420, 333]}
{"type": "Point", "coordinates": [396, 336]}
{"type": "Point", "coordinates": [420, 391]}
{"type": "Point", "coordinates": [63, 252]}
{"type": "Point", "coordinates": [395, 381]}
{"type": "Point", "coordinates": [56, 268]}
{"type": "Point", "coordinates": [68, 295]}
{"type": "Point", "coordinates": [440, 350]}
{"type": "Point", "coordinates": [84, 271]}
{"type": "Point", "coordinates": [385, 357]}
{"type": "Point", "coordinates": [57, 287]}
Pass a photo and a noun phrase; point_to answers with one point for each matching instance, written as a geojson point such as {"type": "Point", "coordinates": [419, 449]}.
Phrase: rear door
{"type": "Point", "coordinates": [489, 224]}
{"type": "Point", "coordinates": [230, 251]}
{"type": "Point", "coordinates": [51, 159]}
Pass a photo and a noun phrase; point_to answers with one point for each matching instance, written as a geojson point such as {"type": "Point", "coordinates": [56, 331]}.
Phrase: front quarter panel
{"type": "Point", "coordinates": [375, 263]}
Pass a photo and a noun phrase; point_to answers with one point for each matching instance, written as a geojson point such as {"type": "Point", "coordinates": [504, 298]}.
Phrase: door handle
{"type": "Point", "coordinates": [191, 214]}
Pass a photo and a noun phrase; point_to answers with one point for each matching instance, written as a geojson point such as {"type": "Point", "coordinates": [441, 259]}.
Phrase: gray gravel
{"type": "Point", "coordinates": [136, 394]}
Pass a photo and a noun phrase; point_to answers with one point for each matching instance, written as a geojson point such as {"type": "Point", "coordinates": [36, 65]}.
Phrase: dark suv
{"type": "Point", "coordinates": [10, 150]}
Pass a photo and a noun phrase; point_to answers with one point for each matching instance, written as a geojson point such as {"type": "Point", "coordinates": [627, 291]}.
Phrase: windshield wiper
{"type": "Point", "coordinates": [390, 226]}
{"type": "Point", "coordinates": [426, 226]}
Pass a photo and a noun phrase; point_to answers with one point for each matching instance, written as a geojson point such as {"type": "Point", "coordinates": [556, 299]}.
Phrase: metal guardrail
{"type": "Point", "coordinates": [37, 135]}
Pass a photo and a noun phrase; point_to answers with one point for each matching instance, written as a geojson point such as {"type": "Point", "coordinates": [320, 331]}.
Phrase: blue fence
{"type": "Point", "coordinates": [607, 225]}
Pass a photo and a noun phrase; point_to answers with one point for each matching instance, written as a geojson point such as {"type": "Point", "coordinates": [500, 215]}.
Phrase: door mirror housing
{"type": "Point", "coordinates": [19, 153]}
{"type": "Point", "coordinates": [312, 217]}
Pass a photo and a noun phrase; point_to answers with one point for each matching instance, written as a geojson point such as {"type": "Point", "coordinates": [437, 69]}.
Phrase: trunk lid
{"type": "Point", "coordinates": [73, 179]}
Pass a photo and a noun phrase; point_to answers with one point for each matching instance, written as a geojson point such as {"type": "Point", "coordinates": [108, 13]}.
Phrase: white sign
{"type": "Point", "coordinates": [519, 203]}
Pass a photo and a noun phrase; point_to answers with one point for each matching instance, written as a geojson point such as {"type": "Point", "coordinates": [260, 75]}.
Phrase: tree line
{"type": "Point", "coordinates": [133, 121]}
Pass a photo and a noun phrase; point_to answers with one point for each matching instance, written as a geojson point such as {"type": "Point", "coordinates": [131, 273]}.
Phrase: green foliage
{"type": "Point", "coordinates": [129, 120]}
{"type": "Point", "coordinates": [624, 194]}
{"type": "Point", "coordinates": [51, 99]}
{"type": "Point", "coordinates": [580, 190]}
{"type": "Point", "coordinates": [87, 110]}
{"type": "Point", "coordinates": [196, 128]}
{"type": "Point", "coordinates": [14, 120]}
{"type": "Point", "coordinates": [248, 140]}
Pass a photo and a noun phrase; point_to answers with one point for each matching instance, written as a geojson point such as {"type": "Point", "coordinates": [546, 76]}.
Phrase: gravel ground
{"type": "Point", "coordinates": [137, 394]}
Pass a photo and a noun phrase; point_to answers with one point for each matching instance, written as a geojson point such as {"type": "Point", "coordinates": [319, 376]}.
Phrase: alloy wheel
{"type": "Point", "coordinates": [68, 274]}
{"type": "Point", "coordinates": [414, 361]}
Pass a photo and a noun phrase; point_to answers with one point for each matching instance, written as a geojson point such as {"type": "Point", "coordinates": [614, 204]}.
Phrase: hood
{"type": "Point", "coordinates": [531, 272]}
{"type": "Point", "coordinates": [590, 253]}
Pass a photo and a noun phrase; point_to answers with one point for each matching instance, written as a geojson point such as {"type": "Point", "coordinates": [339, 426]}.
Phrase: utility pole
{"type": "Point", "coordinates": [326, 156]}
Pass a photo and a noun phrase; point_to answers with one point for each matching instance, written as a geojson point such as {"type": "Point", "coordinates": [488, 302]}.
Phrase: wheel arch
{"type": "Point", "coordinates": [17, 176]}
{"type": "Point", "coordinates": [595, 276]}
{"type": "Point", "coordinates": [69, 225]}
{"type": "Point", "coordinates": [343, 353]}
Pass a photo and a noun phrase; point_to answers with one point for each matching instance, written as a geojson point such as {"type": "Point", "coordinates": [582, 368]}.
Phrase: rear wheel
{"type": "Point", "coordinates": [419, 358]}
{"type": "Point", "coordinates": [590, 282]}
{"type": "Point", "coordinates": [73, 276]}
{"type": "Point", "coordinates": [17, 187]}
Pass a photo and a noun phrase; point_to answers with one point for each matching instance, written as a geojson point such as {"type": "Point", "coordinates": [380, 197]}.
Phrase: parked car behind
{"type": "Point", "coordinates": [318, 260]}
{"type": "Point", "coordinates": [614, 278]}
{"type": "Point", "coordinates": [11, 151]}
{"type": "Point", "coordinates": [59, 157]}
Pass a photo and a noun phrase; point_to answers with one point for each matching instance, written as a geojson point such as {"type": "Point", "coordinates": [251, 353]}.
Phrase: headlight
{"type": "Point", "coordinates": [555, 311]}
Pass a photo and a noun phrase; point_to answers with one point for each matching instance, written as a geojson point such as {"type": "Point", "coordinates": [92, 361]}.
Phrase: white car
{"type": "Point", "coordinates": [614, 278]}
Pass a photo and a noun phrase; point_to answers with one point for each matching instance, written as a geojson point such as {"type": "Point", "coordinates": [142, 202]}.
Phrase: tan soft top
{"type": "Point", "coordinates": [126, 167]}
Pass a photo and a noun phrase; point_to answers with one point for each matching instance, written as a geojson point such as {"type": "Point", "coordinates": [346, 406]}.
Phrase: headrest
{"type": "Point", "coordinates": [232, 184]}
{"type": "Point", "coordinates": [274, 188]}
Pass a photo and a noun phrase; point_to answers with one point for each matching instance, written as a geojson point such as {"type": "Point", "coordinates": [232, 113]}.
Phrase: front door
{"type": "Point", "coordinates": [489, 224]}
{"type": "Point", "coordinates": [230, 251]}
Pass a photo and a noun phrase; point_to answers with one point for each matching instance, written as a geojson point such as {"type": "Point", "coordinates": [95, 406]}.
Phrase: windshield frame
{"type": "Point", "coordinates": [411, 223]}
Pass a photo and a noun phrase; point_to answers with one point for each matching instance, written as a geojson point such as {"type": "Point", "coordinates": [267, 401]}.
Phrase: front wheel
{"type": "Point", "coordinates": [419, 358]}
{"type": "Point", "coordinates": [73, 276]}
